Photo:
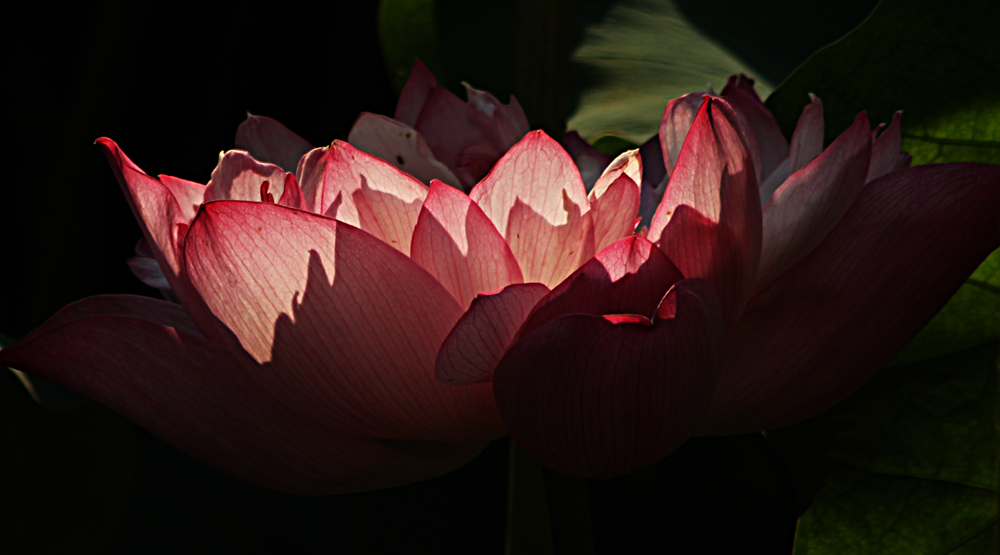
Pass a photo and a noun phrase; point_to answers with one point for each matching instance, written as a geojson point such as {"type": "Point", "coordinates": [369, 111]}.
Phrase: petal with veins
{"type": "Point", "coordinates": [400, 145]}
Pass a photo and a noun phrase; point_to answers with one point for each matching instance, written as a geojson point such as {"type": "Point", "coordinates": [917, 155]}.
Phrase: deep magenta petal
{"type": "Point", "coordinates": [483, 334]}
{"type": "Point", "coordinates": [598, 397]}
{"type": "Point", "coordinates": [825, 326]}
{"type": "Point", "coordinates": [885, 150]}
{"type": "Point", "coordinates": [807, 140]}
{"type": "Point", "coordinates": [767, 144]}
{"type": "Point", "coordinates": [588, 160]}
{"type": "Point", "coordinates": [414, 94]}
{"type": "Point", "coordinates": [144, 359]}
{"type": "Point", "coordinates": [269, 141]}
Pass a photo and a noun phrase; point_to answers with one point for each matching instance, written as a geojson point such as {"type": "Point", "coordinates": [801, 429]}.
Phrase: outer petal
{"type": "Point", "coordinates": [825, 326]}
{"type": "Point", "coordinates": [768, 146]}
{"type": "Point", "coordinates": [484, 333]}
{"type": "Point", "coordinates": [885, 150]}
{"type": "Point", "coordinates": [139, 357]}
{"type": "Point", "coordinates": [458, 245]}
{"type": "Point", "coordinates": [629, 277]}
{"type": "Point", "coordinates": [346, 328]}
{"type": "Point", "coordinates": [614, 200]}
{"type": "Point", "coordinates": [269, 141]}
{"type": "Point", "coordinates": [674, 125]}
{"type": "Point", "coordinates": [400, 145]}
{"type": "Point", "coordinates": [807, 140]}
{"type": "Point", "coordinates": [414, 94]}
{"type": "Point", "coordinates": [535, 197]}
{"type": "Point", "coordinates": [163, 225]}
{"type": "Point", "coordinates": [709, 221]}
{"type": "Point", "coordinates": [359, 189]}
{"type": "Point", "coordinates": [588, 160]}
{"type": "Point", "coordinates": [592, 398]}
{"type": "Point", "coordinates": [811, 202]}
{"type": "Point", "coordinates": [239, 177]}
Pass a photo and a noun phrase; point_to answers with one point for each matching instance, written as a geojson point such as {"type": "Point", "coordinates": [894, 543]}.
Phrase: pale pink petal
{"type": "Point", "coordinates": [628, 163]}
{"type": "Point", "coordinates": [269, 141]}
{"type": "Point", "coordinates": [768, 146]}
{"type": "Point", "coordinates": [827, 325]}
{"type": "Point", "coordinates": [885, 150]}
{"type": "Point", "coordinates": [484, 333]}
{"type": "Point", "coordinates": [188, 194]}
{"type": "Point", "coordinates": [458, 245]}
{"type": "Point", "coordinates": [807, 140]}
{"type": "Point", "coordinates": [239, 177]}
{"type": "Point", "coordinates": [400, 145]}
{"type": "Point", "coordinates": [709, 221]}
{"type": "Point", "coordinates": [346, 328]}
{"type": "Point", "coordinates": [674, 126]}
{"type": "Point", "coordinates": [414, 94]}
{"type": "Point", "coordinates": [139, 357]}
{"type": "Point", "coordinates": [509, 120]}
{"type": "Point", "coordinates": [597, 397]}
{"type": "Point", "coordinates": [631, 276]}
{"type": "Point", "coordinates": [811, 202]}
{"type": "Point", "coordinates": [359, 189]}
{"type": "Point", "coordinates": [588, 160]}
{"type": "Point", "coordinates": [536, 199]}
{"type": "Point", "coordinates": [615, 198]}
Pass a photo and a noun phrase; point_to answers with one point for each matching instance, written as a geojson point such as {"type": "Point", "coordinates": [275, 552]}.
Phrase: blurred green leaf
{"type": "Point", "coordinates": [911, 462]}
{"type": "Point", "coordinates": [408, 31]}
{"type": "Point", "coordinates": [612, 145]}
{"type": "Point", "coordinates": [639, 56]}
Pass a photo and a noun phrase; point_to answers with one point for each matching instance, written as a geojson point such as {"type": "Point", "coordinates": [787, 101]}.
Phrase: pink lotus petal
{"type": "Point", "coordinates": [508, 120]}
{"type": "Point", "coordinates": [414, 94]}
{"type": "Point", "coordinates": [346, 329]}
{"type": "Point", "coordinates": [188, 194]}
{"type": "Point", "coordinates": [628, 163]}
{"type": "Point", "coordinates": [593, 398]}
{"type": "Point", "coordinates": [484, 333]}
{"type": "Point", "coordinates": [588, 160]}
{"type": "Point", "coordinates": [292, 194]}
{"type": "Point", "coordinates": [615, 198]}
{"type": "Point", "coordinates": [654, 179]}
{"type": "Point", "coordinates": [458, 245]}
{"type": "Point", "coordinates": [269, 141]}
{"type": "Point", "coordinates": [807, 140]}
{"type": "Point", "coordinates": [630, 276]}
{"type": "Point", "coordinates": [768, 146]}
{"type": "Point", "coordinates": [826, 326]}
{"type": "Point", "coordinates": [885, 150]}
{"type": "Point", "coordinates": [148, 271]}
{"type": "Point", "coordinates": [239, 177]}
{"type": "Point", "coordinates": [811, 202]}
{"type": "Point", "coordinates": [143, 358]}
{"type": "Point", "coordinates": [709, 222]}
{"type": "Point", "coordinates": [400, 145]}
{"type": "Point", "coordinates": [536, 199]}
{"type": "Point", "coordinates": [359, 189]}
{"type": "Point", "coordinates": [674, 126]}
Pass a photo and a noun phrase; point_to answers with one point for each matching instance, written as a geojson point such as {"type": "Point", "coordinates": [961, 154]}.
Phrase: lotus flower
{"type": "Point", "coordinates": [346, 327]}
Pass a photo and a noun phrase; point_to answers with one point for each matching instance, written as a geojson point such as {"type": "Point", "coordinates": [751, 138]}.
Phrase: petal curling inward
{"type": "Point", "coordinates": [478, 341]}
{"type": "Point", "coordinates": [674, 125]}
{"type": "Point", "coordinates": [239, 177]}
{"type": "Point", "coordinates": [811, 202]}
{"type": "Point", "coordinates": [458, 245]}
{"type": "Point", "coordinates": [139, 357]}
{"type": "Point", "coordinates": [591, 398]}
{"type": "Point", "coordinates": [767, 144]}
{"type": "Point", "coordinates": [615, 198]}
{"type": "Point", "coordinates": [807, 140]}
{"type": "Point", "coordinates": [269, 141]}
{"type": "Point", "coordinates": [629, 277]}
{"type": "Point", "coordinates": [359, 189]}
{"type": "Point", "coordinates": [885, 149]}
{"type": "Point", "coordinates": [345, 328]}
{"type": "Point", "coordinates": [826, 325]}
{"type": "Point", "coordinates": [536, 199]}
{"type": "Point", "coordinates": [709, 222]}
{"type": "Point", "coordinates": [400, 145]}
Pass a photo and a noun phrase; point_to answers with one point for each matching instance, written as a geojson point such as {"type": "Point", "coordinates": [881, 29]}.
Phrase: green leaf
{"type": "Point", "coordinates": [939, 64]}
{"type": "Point", "coordinates": [612, 145]}
{"type": "Point", "coordinates": [407, 31]}
{"type": "Point", "coordinates": [639, 56]}
{"type": "Point", "coordinates": [911, 462]}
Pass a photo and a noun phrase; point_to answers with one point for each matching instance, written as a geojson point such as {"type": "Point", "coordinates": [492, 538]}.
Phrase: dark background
{"type": "Point", "coordinates": [170, 83]}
